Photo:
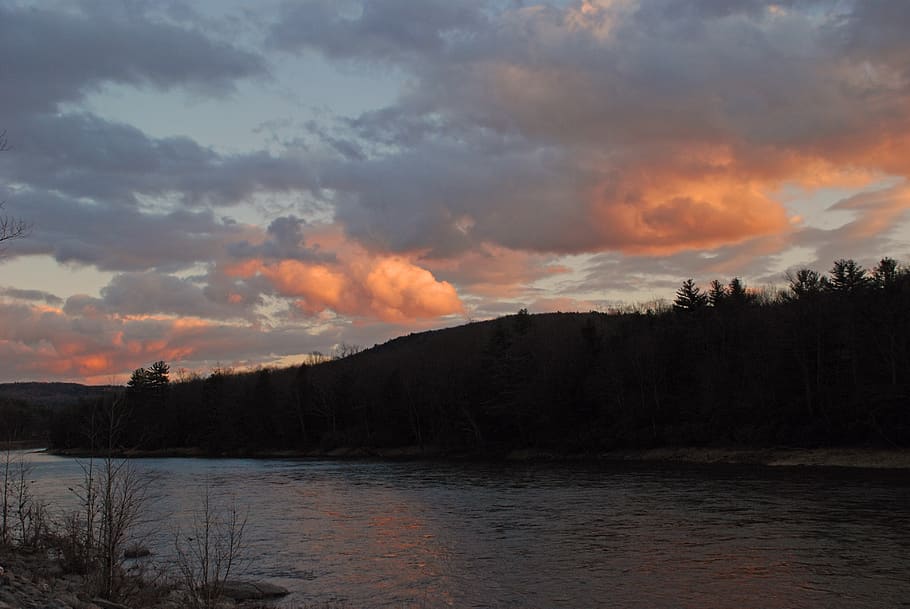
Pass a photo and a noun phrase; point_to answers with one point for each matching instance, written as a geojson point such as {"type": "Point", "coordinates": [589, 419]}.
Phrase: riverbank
{"type": "Point", "coordinates": [37, 580]}
{"type": "Point", "coordinates": [850, 457]}
{"type": "Point", "coordinates": [865, 458]}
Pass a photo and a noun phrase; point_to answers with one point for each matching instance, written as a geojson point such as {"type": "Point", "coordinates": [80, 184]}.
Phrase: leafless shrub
{"type": "Point", "coordinates": [210, 551]}
{"type": "Point", "coordinates": [112, 496]}
{"type": "Point", "coordinates": [22, 516]}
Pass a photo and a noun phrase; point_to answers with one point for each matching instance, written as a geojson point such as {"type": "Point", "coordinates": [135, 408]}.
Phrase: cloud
{"type": "Point", "coordinates": [381, 29]}
{"type": "Point", "coordinates": [51, 343]}
{"type": "Point", "coordinates": [284, 240]}
{"type": "Point", "coordinates": [388, 288]}
{"type": "Point", "coordinates": [545, 153]}
{"type": "Point", "coordinates": [85, 156]}
{"type": "Point", "coordinates": [650, 127]}
{"type": "Point", "coordinates": [101, 340]}
{"type": "Point", "coordinates": [123, 238]}
{"type": "Point", "coordinates": [150, 293]}
{"type": "Point", "coordinates": [99, 48]}
{"type": "Point", "coordinates": [493, 271]}
{"type": "Point", "coordinates": [31, 295]}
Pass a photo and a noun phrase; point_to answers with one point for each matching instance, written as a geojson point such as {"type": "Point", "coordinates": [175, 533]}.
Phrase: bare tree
{"type": "Point", "coordinates": [10, 227]}
{"type": "Point", "coordinates": [112, 499]}
{"type": "Point", "coordinates": [22, 516]}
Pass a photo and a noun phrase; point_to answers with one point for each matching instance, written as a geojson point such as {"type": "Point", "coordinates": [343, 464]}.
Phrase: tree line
{"type": "Point", "coordinates": [823, 361]}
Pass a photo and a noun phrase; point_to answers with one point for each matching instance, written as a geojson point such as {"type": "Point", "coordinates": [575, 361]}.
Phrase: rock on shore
{"type": "Point", "coordinates": [31, 582]}
{"type": "Point", "coordinates": [35, 581]}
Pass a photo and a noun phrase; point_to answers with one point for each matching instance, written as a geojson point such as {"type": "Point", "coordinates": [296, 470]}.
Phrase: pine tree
{"type": "Point", "coordinates": [139, 381]}
{"type": "Point", "coordinates": [737, 293]}
{"type": "Point", "coordinates": [806, 283]}
{"type": "Point", "coordinates": [717, 293]}
{"type": "Point", "coordinates": [157, 375]}
{"type": "Point", "coordinates": [848, 277]}
{"type": "Point", "coordinates": [690, 298]}
{"type": "Point", "coordinates": [886, 273]}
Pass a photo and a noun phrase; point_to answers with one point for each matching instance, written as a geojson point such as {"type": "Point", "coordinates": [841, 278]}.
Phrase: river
{"type": "Point", "coordinates": [437, 534]}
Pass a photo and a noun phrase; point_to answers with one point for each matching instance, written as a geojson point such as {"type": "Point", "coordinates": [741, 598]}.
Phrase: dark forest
{"type": "Point", "coordinates": [823, 362]}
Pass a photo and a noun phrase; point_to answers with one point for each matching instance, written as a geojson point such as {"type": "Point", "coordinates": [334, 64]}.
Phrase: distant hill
{"type": "Point", "coordinates": [53, 395]}
{"type": "Point", "coordinates": [820, 365]}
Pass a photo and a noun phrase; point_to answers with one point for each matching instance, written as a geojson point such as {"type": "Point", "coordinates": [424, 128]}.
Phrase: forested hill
{"type": "Point", "coordinates": [27, 410]}
{"type": "Point", "coordinates": [52, 394]}
{"type": "Point", "coordinates": [826, 362]}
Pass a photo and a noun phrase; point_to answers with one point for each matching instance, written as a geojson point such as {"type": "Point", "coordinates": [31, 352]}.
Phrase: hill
{"type": "Point", "coordinates": [826, 363]}
{"type": "Point", "coordinates": [53, 395]}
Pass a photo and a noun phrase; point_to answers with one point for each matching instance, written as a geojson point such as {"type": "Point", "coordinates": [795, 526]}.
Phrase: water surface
{"type": "Point", "coordinates": [428, 534]}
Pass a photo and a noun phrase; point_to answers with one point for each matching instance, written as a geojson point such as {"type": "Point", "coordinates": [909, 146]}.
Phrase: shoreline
{"type": "Point", "coordinates": [841, 457]}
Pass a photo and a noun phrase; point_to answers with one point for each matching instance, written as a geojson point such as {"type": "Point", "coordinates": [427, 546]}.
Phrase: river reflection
{"type": "Point", "coordinates": [374, 534]}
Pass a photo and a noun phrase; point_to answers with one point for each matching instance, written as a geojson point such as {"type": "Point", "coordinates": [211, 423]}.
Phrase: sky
{"type": "Point", "coordinates": [231, 184]}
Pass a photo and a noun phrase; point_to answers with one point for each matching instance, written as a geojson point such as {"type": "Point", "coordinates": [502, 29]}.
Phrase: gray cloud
{"type": "Point", "coordinates": [61, 55]}
{"type": "Point", "coordinates": [377, 30]}
{"type": "Point", "coordinates": [285, 242]}
{"type": "Point", "coordinates": [123, 238]}
{"type": "Point", "coordinates": [32, 295]}
{"type": "Point", "coordinates": [64, 54]}
{"type": "Point", "coordinates": [150, 293]}
{"type": "Point", "coordinates": [86, 156]}
{"type": "Point", "coordinates": [592, 130]}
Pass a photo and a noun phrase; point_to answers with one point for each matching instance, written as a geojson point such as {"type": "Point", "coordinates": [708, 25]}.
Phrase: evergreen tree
{"type": "Point", "coordinates": [139, 382]}
{"type": "Point", "coordinates": [716, 294]}
{"type": "Point", "coordinates": [690, 298]}
{"type": "Point", "coordinates": [806, 283]}
{"type": "Point", "coordinates": [737, 293]}
{"type": "Point", "coordinates": [157, 376]}
{"type": "Point", "coordinates": [848, 277]}
{"type": "Point", "coordinates": [886, 274]}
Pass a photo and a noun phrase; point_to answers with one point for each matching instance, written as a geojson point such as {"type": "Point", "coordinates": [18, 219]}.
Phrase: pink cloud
{"type": "Point", "coordinates": [389, 288]}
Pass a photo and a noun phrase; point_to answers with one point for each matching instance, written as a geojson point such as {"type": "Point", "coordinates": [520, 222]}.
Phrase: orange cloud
{"type": "Point", "coordinates": [663, 213]}
{"type": "Point", "coordinates": [400, 290]}
{"type": "Point", "coordinates": [389, 288]}
{"type": "Point", "coordinates": [493, 270]}
{"type": "Point", "coordinates": [321, 287]}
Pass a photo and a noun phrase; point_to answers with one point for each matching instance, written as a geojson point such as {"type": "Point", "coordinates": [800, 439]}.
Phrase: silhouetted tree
{"type": "Point", "coordinates": [157, 376]}
{"type": "Point", "coordinates": [717, 293]}
{"type": "Point", "coordinates": [814, 365]}
{"type": "Point", "coordinates": [690, 298]}
{"type": "Point", "coordinates": [138, 383]}
{"type": "Point", "coordinates": [848, 276]}
{"type": "Point", "coordinates": [886, 274]}
{"type": "Point", "coordinates": [805, 283]}
{"type": "Point", "coordinates": [737, 293]}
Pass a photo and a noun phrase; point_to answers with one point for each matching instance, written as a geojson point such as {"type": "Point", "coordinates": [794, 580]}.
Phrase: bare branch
{"type": "Point", "coordinates": [10, 227]}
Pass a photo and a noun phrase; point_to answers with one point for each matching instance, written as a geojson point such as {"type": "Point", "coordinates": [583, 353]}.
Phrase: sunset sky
{"type": "Point", "coordinates": [241, 183]}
